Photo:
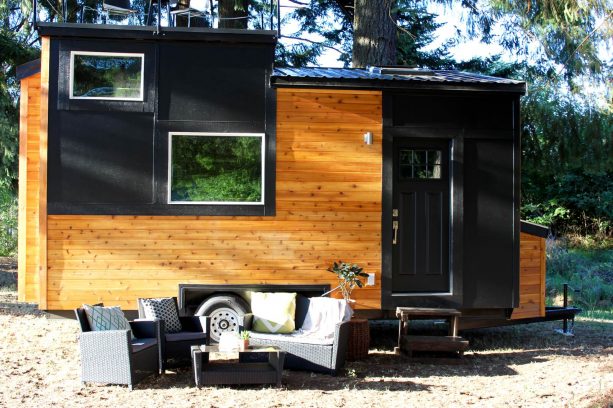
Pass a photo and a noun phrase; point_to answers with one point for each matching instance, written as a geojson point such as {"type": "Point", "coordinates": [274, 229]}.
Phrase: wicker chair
{"type": "Point", "coordinates": [112, 357]}
{"type": "Point", "coordinates": [175, 348]}
{"type": "Point", "coordinates": [324, 358]}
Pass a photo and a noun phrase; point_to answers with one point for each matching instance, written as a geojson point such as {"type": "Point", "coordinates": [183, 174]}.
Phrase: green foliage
{"type": "Point", "coordinates": [567, 162]}
{"type": "Point", "coordinates": [327, 20]}
{"type": "Point", "coordinates": [8, 223]}
{"type": "Point", "coordinates": [552, 32]}
{"type": "Point", "coordinates": [349, 277]}
{"type": "Point", "coordinates": [15, 49]}
{"type": "Point", "coordinates": [216, 168]}
{"type": "Point", "coordinates": [588, 273]}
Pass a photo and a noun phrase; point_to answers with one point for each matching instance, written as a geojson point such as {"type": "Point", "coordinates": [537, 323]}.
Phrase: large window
{"type": "Point", "coordinates": [215, 168]}
{"type": "Point", "coordinates": [101, 75]}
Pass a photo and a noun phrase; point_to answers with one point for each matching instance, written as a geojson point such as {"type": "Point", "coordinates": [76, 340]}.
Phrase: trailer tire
{"type": "Point", "coordinates": [225, 313]}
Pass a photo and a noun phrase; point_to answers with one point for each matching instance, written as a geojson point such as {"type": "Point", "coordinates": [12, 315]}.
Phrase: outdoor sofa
{"type": "Point", "coordinates": [303, 352]}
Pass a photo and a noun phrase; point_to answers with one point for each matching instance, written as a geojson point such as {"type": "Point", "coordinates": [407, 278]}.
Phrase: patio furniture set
{"type": "Point", "coordinates": [312, 334]}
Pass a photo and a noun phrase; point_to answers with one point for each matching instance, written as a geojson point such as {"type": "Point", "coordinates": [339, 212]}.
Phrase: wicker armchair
{"type": "Point", "coordinates": [324, 358]}
{"type": "Point", "coordinates": [175, 348]}
{"type": "Point", "coordinates": [112, 357]}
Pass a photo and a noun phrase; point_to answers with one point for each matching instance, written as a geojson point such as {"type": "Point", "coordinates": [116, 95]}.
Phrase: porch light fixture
{"type": "Point", "coordinates": [368, 138]}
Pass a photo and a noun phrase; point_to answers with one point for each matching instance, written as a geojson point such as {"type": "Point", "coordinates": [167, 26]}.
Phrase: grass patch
{"type": "Point", "coordinates": [597, 315]}
{"type": "Point", "coordinates": [589, 274]}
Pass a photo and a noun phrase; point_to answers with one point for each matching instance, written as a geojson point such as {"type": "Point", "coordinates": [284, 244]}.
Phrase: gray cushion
{"type": "Point", "coordinates": [106, 318]}
{"type": "Point", "coordinates": [142, 344]}
{"type": "Point", "coordinates": [163, 309]}
{"type": "Point", "coordinates": [185, 336]}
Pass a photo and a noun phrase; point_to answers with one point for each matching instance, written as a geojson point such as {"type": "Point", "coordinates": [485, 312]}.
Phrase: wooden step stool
{"type": "Point", "coordinates": [450, 343]}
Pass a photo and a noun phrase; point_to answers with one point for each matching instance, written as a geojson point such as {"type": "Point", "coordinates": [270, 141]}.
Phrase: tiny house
{"type": "Point", "coordinates": [152, 159]}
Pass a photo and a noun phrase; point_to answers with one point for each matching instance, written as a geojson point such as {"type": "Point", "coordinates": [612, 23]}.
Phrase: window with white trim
{"type": "Point", "coordinates": [216, 168]}
{"type": "Point", "coordinates": [106, 76]}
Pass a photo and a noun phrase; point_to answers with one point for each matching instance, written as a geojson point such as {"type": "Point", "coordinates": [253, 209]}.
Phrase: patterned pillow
{"type": "Point", "coordinates": [273, 312]}
{"type": "Point", "coordinates": [106, 318]}
{"type": "Point", "coordinates": [163, 309]}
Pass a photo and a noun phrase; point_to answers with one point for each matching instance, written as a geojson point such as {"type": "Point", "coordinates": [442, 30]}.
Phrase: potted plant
{"type": "Point", "coordinates": [245, 336]}
{"type": "Point", "coordinates": [348, 276]}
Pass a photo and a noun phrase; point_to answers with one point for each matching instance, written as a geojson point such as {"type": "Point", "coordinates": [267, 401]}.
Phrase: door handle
{"type": "Point", "coordinates": [395, 227]}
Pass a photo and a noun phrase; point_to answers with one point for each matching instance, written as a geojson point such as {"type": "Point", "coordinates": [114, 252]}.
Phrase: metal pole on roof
{"type": "Point", "coordinates": [35, 14]}
{"type": "Point", "coordinates": [278, 19]}
{"type": "Point", "coordinates": [272, 2]}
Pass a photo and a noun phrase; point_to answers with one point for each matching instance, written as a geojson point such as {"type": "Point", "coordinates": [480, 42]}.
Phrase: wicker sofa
{"type": "Point", "coordinates": [304, 353]}
{"type": "Point", "coordinates": [112, 357]}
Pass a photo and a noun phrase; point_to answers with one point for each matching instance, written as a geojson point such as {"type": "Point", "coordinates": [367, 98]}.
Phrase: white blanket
{"type": "Point", "coordinates": [322, 317]}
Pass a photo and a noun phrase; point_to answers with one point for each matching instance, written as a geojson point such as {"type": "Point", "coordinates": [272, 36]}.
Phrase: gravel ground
{"type": "Point", "coordinates": [522, 366]}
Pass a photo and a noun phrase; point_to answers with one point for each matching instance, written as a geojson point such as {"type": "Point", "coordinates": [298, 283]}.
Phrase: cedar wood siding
{"type": "Point", "coordinates": [531, 277]}
{"type": "Point", "coordinates": [328, 207]}
{"type": "Point", "coordinates": [28, 244]}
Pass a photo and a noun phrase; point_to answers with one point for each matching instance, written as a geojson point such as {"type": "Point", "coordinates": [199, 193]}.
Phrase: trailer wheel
{"type": "Point", "coordinates": [225, 313]}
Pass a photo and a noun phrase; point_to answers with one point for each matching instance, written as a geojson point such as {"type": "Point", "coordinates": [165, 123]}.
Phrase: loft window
{"type": "Point", "coordinates": [420, 164]}
{"type": "Point", "coordinates": [106, 76]}
{"type": "Point", "coordinates": [216, 168]}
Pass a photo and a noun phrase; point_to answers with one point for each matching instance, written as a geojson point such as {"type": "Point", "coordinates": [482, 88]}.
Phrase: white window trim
{"type": "Point", "coordinates": [111, 54]}
{"type": "Point", "coordinates": [205, 134]}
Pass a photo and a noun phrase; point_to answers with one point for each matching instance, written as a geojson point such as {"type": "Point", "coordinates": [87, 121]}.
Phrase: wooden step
{"type": "Point", "coordinates": [456, 344]}
{"type": "Point", "coordinates": [404, 313]}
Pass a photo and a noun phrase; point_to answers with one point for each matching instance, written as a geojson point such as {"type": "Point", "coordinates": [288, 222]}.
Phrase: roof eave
{"type": "Point", "coordinates": [152, 33]}
{"type": "Point", "coordinates": [305, 82]}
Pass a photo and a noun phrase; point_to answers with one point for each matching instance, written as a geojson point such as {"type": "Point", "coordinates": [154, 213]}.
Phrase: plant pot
{"type": "Point", "coordinates": [244, 344]}
{"type": "Point", "coordinates": [359, 339]}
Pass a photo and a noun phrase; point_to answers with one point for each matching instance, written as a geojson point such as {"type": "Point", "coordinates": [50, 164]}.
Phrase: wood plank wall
{"type": "Point", "coordinates": [328, 200]}
{"type": "Point", "coordinates": [531, 277]}
{"type": "Point", "coordinates": [28, 245]}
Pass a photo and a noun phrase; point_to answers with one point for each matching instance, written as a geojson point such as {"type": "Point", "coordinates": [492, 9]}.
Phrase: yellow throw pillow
{"type": "Point", "coordinates": [273, 312]}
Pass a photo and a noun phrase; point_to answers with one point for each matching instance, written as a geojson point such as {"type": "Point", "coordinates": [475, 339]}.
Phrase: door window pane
{"type": "Point", "coordinates": [216, 169]}
{"type": "Point", "coordinates": [420, 164]}
{"type": "Point", "coordinates": [106, 76]}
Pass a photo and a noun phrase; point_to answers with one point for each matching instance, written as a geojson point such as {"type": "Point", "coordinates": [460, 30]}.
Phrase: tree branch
{"type": "Point", "coordinates": [313, 42]}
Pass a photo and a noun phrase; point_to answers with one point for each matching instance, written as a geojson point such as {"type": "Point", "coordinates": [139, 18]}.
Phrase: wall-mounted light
{"type": "Point", "coordinates": [368, 138]}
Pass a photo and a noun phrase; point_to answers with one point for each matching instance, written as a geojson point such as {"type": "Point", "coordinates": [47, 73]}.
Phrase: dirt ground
{"type": "Point", "coordinates": [522, 366]}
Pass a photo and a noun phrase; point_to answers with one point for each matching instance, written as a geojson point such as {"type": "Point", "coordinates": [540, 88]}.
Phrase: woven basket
{"type": "Point", "coordinates": [359, 339]}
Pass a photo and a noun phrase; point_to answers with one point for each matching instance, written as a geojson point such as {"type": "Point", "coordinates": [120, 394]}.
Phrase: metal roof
{"type": "Point", "coordinates": [393, 77]}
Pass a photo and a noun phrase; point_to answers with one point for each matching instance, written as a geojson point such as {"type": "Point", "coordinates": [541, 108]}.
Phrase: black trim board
{"type": "Point", "coordinates": [534, 229]}
{"type": "Point", "coordinates": [28, 69]}
{"type": "Point", "coordinates": [151, 33]}
{"type": "Point", "coordinates": [199, 292]}
{"type": "Point", "coordinates": [395, 85]}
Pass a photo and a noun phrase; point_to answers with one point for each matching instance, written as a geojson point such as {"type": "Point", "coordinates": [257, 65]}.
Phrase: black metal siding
{"type": "Point", "coordinates": [485, 196]}
{"type": "Point", "coordinates": [111, 157]}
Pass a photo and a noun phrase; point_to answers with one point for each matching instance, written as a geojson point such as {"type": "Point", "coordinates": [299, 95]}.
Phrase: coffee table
{"type": "Point", "coordinates": [223, 372]}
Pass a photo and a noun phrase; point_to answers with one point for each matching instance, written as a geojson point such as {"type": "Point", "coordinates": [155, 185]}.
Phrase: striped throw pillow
{"type": "Point", "coordinates": [106, 318]}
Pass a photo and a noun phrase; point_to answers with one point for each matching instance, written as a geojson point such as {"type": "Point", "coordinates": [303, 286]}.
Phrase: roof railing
{"type": "Point", "coordinates": [199, 13]}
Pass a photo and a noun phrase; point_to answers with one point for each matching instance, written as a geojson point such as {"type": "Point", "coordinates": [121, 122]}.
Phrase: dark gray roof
{"type": "Point", "coordinates": [393, 77]}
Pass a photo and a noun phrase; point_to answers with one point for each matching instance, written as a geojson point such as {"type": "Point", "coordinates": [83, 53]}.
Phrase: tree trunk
{"type": "Point", "coordinates": [374, 33]}
{"type": "Point", "coordinates": [232, 10]}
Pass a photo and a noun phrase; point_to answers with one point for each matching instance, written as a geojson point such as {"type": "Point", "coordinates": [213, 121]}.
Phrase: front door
{"type": "Point", "coordinates": [420, 216]}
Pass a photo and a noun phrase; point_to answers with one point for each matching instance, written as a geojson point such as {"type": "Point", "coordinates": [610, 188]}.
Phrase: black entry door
{"type": "Point", "coordinates": [420, 216]}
